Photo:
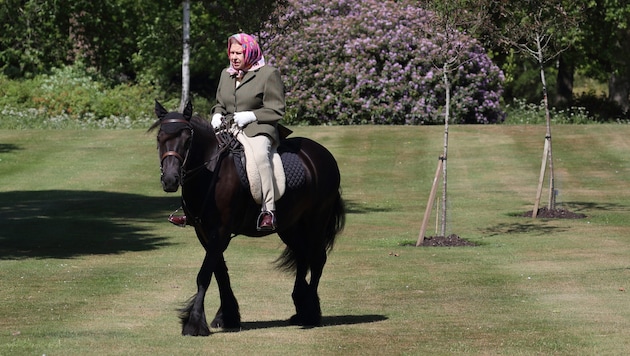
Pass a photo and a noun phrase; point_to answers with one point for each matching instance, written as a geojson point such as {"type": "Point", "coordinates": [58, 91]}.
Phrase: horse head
{"type": "Point", "coordinates": [173, 142]}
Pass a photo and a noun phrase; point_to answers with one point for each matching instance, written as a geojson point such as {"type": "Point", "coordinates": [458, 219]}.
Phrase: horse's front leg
{"type": "Point", "coordinates": [193, 316]}
{"type": "Point", "coordinates": [228, 315]}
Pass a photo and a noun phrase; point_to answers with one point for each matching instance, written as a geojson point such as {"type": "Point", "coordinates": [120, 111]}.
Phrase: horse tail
{"type": "Point", "coordinates": [336, 223]}
{"type": "Point", "coordinates": [287, 261]}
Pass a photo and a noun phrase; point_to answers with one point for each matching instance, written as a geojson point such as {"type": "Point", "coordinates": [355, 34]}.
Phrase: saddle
{"type": "Point", "coordinates": [289, 172]}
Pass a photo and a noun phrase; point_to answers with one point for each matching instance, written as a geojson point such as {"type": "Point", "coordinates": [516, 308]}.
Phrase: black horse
{"type": "Point", "coordinates": [310, 214]}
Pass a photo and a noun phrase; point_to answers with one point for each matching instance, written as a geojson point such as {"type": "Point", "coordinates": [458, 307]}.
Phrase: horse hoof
{"type": "Point", "coordinates": [196, 332]}
{"type": "Point", "coordinates": [231, 324]}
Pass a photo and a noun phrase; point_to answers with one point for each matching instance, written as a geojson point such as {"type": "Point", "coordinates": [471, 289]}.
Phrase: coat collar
{"type": "Point", "coordinates": [249, 75]}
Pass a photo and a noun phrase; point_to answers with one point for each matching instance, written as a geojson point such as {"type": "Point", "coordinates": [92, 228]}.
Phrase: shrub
{"type": "Point", "coordinates": [521, 112]}
{"type": "Point", "coordinates": [600, 108]}
{"type": "Point", "coordinates": [348, 62]}
{"type": "Point", "coordinates": [71, 97]}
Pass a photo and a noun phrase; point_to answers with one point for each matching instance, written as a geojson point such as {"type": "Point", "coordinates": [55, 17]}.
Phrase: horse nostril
{"type": "Point", "coordinates": [170, 182]}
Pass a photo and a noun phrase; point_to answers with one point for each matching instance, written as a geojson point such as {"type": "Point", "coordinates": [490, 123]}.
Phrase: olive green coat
{"type": "Point", "coordinates": [260, 91]}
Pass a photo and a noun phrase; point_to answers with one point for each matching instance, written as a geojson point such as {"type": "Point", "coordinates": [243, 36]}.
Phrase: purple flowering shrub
{"type": "Point", "coordinates": [376, 61]}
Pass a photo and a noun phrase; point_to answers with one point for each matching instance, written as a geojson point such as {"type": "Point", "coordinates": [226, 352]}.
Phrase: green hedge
{"type": "Point", "coordinates": [72, 97]}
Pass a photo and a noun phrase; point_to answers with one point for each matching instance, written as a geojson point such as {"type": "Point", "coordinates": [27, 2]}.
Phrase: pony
{"type": "Point", "coordinates": [310, 214]}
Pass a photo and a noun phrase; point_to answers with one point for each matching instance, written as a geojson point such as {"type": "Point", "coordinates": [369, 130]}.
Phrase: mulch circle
{"type": "Point", "coordinates": [446, 241]}
{"type": "Point", "coordinates": [455, 241]}
{"type": "Point", "coordinates": [545, 213]}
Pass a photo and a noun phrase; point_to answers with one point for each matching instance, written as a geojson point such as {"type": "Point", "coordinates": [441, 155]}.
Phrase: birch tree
{"type": "Point", "coordinates": [185, 55]}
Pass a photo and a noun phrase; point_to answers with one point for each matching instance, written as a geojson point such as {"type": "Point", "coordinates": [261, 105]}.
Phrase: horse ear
{"type": "Point", "coordinates": [188, 110]}
{"type": "Point", "coordinates": [160, 112]}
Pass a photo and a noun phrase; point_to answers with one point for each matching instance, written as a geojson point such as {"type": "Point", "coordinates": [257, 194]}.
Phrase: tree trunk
{"type": "Point", "coordinates": [619, 83]}
{"type": "Point", "coordinates": [619, 89]}
{"type": "Point", "coordinates": [549, 156]}
{"type": "Point", "coordinates": [447, 106]}
{"type": "Point", "coordinates": [185, 56]}
{"type": "Point", "coordinates": [552, 197]}
{"type": "Point", "coordinates": [564, 82]}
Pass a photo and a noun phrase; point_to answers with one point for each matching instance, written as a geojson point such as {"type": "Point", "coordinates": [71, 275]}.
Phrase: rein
{"type": "Point", "coordinates": [225, 141]}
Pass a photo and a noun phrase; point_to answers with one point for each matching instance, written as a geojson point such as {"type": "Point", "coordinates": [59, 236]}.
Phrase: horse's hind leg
{"type": "Point", "coordinates": [305, 296]}
{"type": "Point", "coordinates": [228, 315]}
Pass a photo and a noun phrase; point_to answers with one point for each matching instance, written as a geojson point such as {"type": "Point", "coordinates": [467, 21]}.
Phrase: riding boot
{"type": "Point", "coordinates": [177, 220]}
{"type": "Point", "coordinates": [266, 221]}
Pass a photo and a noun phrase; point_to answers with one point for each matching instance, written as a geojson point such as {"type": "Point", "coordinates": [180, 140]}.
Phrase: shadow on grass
{"type": "Point", "coordinates": [521, 228]}
{"type": "Point", "coordinates": [586, 207]}
{"type": "Point", "coordinates": [326, 321]}
{"type": "Point", "coordinates": [353, 207]}
{"type": "Point", "coordinates": [539, 229]}
{"type": "Point", "coordinates": [8, 147]}
{"type": "Point", "coordinates": [67, 224]}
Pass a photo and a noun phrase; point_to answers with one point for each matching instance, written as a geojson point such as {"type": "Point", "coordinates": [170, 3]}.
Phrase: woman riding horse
{"type": "Point", "coordinates": [253, 93]}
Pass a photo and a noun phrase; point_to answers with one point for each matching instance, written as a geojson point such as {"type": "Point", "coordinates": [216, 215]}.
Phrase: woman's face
{"type": "Point", "coordinates": [237, 57]}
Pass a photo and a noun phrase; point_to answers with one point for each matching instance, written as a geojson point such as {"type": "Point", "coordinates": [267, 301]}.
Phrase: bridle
{"type": "Point", "coordinates": [224, 138]}
{"type": "Point", "coordinates": [172, 153]}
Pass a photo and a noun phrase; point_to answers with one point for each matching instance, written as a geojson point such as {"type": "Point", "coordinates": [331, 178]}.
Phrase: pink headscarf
{"type": "Point", "coordinates": [254, 58]}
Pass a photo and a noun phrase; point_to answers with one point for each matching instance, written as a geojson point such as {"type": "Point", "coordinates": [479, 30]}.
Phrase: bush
{"type": "Point", "coordinates": [600, 108]}
{"type": "Point", "coordinates": [348, 62]}
{"type": "Point", "coordinates": [521, 112]}
{"type": "Point", "coordinates": [71, 97]}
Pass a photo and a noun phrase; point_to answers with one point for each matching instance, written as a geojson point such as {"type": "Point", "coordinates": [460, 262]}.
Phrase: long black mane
{"type": "Point", "coordinates": [198, 122]}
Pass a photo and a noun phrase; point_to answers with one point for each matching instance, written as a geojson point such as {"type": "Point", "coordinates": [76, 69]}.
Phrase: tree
{"type": "Point", "coordinates": [605, 46]}
{"type": "Point", "coordinates": [125, 40]}
{"type": "Point", "coordinates": [381, 71]}
{"type": "Point", "coordinates": [33, 38]}
{"type": "Point", "coordinates": [452, 23]}
{"type": "Point", "coordinates": [185, 55]}
{"type": "Point", "coordinates": [542, 30]}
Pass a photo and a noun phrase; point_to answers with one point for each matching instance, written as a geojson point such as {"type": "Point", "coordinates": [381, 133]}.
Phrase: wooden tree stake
{"type": "Point", "coordinates": [427, 211]}
{"type": "Point", "coordinates": [543, 167]}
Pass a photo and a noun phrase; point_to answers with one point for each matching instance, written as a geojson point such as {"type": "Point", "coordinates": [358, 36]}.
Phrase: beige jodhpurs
{"type": "Point", "coordinates": [261, 145]}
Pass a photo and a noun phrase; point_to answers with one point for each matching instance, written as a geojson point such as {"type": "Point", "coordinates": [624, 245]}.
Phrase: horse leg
{"type": "Point", "coordinates": [228, 315]}
{"type": "Point", "coordinates": [193, 316]}
{"type": "Point", "coordinates": [305, 297]}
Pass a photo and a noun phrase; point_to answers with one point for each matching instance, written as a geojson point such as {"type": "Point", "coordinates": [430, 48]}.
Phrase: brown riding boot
{"type": "Point", "coordinates": [266, 221]}
{"type": "Point", "coordinates": [177, 220]}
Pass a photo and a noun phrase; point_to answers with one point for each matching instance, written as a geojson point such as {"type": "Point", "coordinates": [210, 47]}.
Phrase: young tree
{"type": "Point", "coordinates": [540, 29]}
{"type": "Point", "coordinates": [454, 22]}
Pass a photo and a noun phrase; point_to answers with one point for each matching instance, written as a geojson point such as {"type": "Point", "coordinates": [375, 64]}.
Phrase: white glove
{"type": "Point", "coordinates": [242, 118]}
{"type": "Point", "coordinates": [217, 119]}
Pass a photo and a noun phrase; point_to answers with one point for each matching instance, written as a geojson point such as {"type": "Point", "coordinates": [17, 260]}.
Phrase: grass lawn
{"type": "Point", "coordinates": [89, 265]}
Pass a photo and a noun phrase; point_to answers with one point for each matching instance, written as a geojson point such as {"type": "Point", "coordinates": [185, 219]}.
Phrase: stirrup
{"type": "Point", "coordinates": [260, 219]}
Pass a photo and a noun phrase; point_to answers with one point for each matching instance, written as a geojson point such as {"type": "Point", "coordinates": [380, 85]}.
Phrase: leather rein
{"type": "Point", "coordinates": [225, 141]}
{"type": "Point", "coordinates": [224, 138]}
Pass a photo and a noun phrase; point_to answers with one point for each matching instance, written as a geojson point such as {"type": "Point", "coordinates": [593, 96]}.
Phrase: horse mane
{"type": "Point", "coordinates": [198, 123]}
{"type": "Point", "coordinates": [154, 125]}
